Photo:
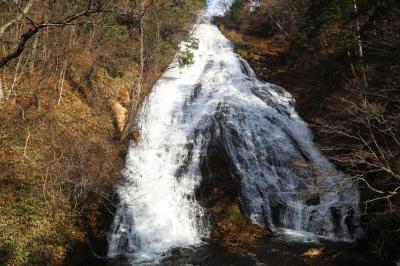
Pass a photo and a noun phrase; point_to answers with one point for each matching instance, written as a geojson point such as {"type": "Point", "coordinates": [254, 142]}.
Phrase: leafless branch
{"type": "Point", "coordinates": [36, 27]}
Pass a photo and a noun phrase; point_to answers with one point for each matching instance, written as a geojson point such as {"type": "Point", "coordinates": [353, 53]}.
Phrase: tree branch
{"type": "Point", "coordinates": [37, 27]}
{"type": "Point", "coordinates": [22, 13]}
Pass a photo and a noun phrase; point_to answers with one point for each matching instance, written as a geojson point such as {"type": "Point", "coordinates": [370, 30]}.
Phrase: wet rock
{"type": "Point", "coordinates": [137, 136]}
{"type": "Point", "coordinates": [220, 194]}
{"type": "Point", "coordinates": [313, 201]}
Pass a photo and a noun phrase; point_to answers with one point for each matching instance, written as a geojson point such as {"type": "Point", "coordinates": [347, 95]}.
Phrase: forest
{"type": "Point", "coordinates": [71, 73]}
{"type": "Point", "coordinates": [340, 59]}
{"type": "Point", "coordinates": [75, 74]}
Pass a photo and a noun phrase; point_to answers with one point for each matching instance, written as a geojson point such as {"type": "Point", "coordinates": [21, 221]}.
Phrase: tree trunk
{"type": "Point", "coordinates": [61, 82]}
{"type": "Point", "coordinates": [14, 84]}
{"type": "Point", "coordinates": [17, 18]}
{"type": "Point", "coordinates": [360, 47]}
{"type": "Point", "coordinates": [133, 112]}
{"type": "Point", "coordinates": [32, 66]}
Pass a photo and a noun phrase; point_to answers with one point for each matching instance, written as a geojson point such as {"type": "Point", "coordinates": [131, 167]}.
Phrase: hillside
{"type": "Point", "coordinates": [65, 99]}
{"type": "Point", "coordinates": [340, 60]}
{"type": "Point", "coordinates": [228, 172]}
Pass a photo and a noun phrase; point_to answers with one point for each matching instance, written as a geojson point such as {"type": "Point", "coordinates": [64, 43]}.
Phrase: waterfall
{"type": "Point", "coordinates": [285, 182]}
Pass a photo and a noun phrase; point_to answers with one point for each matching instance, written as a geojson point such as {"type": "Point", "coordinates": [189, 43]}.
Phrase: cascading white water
{"type": "Point", "coordinates": [285, 181]}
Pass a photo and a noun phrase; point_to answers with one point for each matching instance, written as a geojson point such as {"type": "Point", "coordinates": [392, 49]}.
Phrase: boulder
{"type": "Point", "coordinates": [120, 115]}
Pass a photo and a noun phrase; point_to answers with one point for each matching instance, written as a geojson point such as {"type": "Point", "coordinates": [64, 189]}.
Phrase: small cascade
{"type": "Point", "coordinates": [284, 180]}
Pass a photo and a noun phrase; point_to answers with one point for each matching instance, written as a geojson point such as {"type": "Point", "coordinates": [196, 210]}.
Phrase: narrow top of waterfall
{"type": "Point", "coordinates": [218, 7]}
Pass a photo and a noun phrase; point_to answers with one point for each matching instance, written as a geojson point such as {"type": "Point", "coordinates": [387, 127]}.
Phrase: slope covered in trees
{"type": "Point", "coordinates": [71, 72]}
{"type": "Point", "coordinates": [340, 59]}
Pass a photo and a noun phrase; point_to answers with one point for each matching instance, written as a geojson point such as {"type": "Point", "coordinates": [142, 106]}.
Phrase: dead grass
{"type": "Point", "coordinates": [56, 163]}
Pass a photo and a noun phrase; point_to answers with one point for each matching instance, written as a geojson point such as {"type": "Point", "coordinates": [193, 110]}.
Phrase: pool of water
{"type": "Point", "coordinates": [279, 250]}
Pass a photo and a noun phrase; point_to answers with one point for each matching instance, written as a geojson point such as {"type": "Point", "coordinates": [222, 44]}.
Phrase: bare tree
{"type": "Point", "coordinates": [1, 91]}
{"type": "Point", "coordinates": [137, 92]}
{"type": "Point", "coordinates": [92, 7]}
{"type": "Point", "coordinates": [20, 15]}
{"type": "Point", "coordinates": [371, 146]}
